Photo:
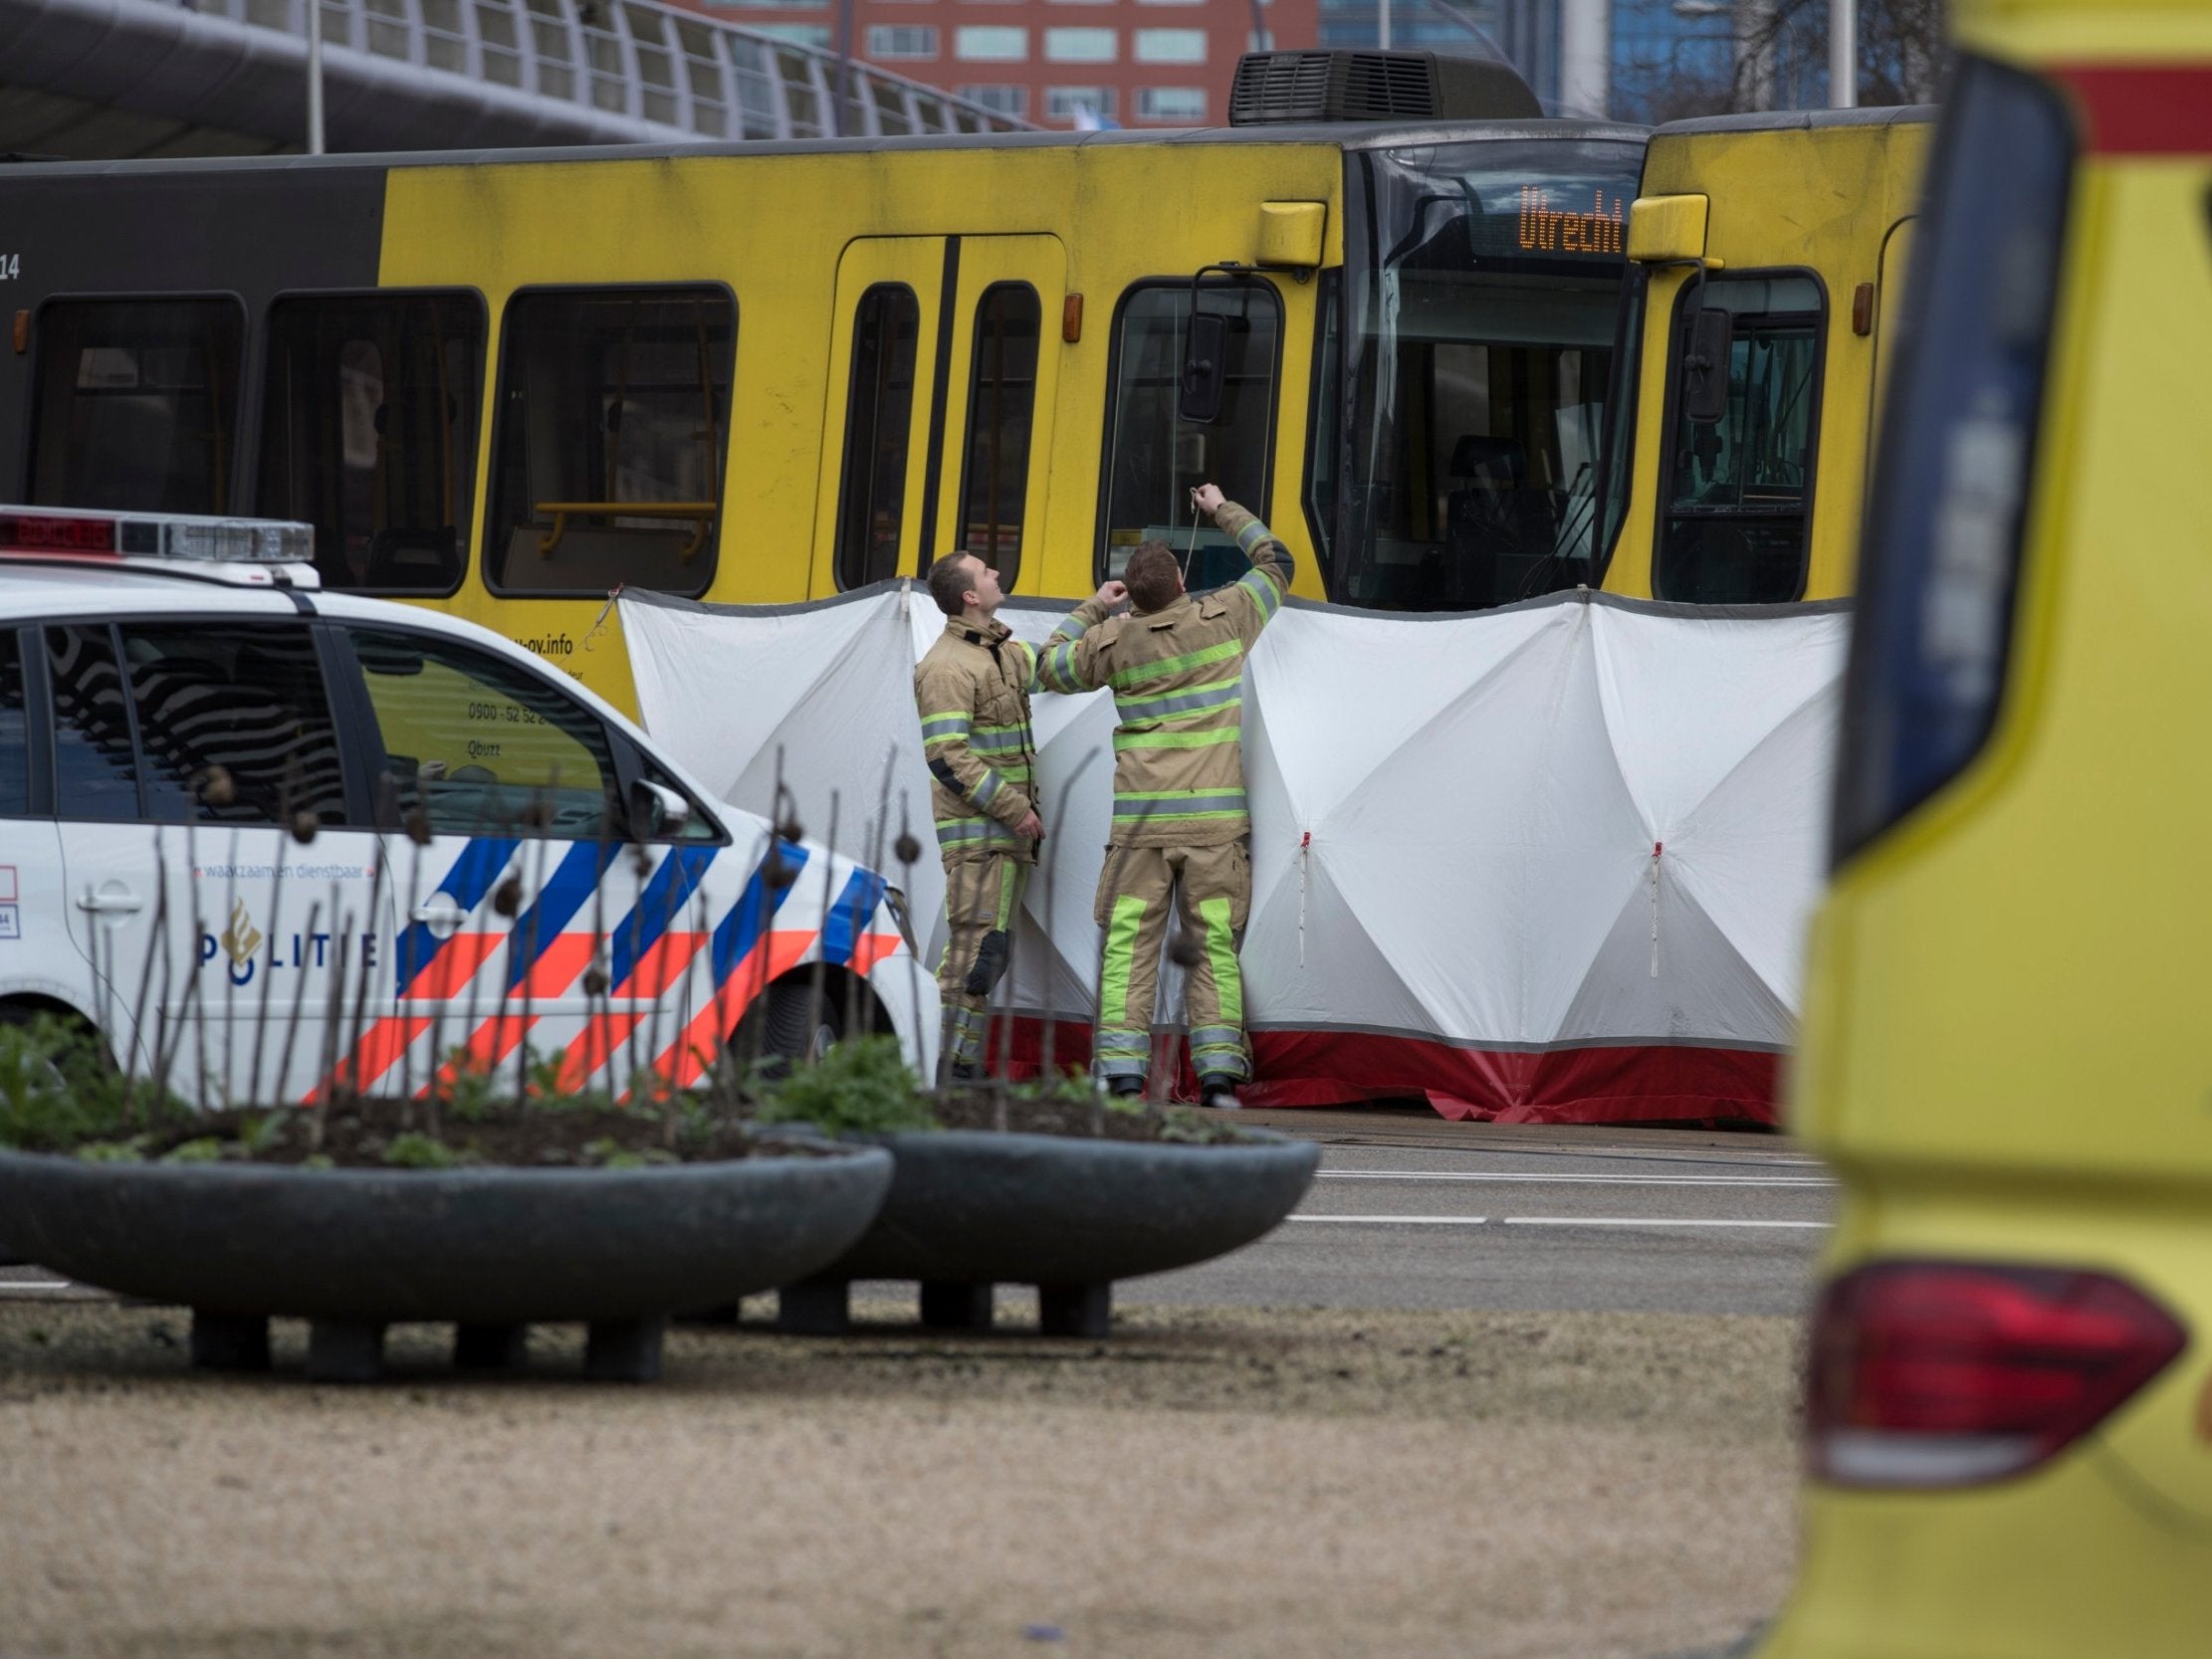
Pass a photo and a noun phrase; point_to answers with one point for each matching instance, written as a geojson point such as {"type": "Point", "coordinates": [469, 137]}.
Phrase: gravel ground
{"type": "Point", "coordinates": [1211, 1483]}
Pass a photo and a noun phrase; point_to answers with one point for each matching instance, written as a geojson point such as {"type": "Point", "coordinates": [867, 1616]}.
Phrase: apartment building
{"type": "Point", "coordinates": [1057, 63]}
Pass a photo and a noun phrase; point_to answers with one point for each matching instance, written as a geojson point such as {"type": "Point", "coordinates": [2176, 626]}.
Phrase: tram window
{"type": "Point", "coordinates": [1736, 525]}
{"type": "Point", "coordinates": [15, 732]}
{"type": "Point", "coordinates": [368, 433]}
{"type": "Point", "coordinates": [1002, 403]}
{"type": "Point", "coordinates": [1156, 458]}
{"type": "Point", "coordinates": [613, 417]}
{"type": "Point", "coordinates": [136, 404]}
{"type": "Point", "coordinates": [879, 411]}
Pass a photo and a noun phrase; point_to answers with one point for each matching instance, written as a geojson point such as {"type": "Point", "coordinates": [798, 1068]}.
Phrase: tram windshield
{"type": "Point", "coordinates": [1478, 336]}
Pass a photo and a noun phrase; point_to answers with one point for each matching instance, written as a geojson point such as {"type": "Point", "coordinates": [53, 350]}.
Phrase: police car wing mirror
{"type": "Point", "coordinates": [656, 809]}
{"type": "Point", "coordinates": [1205, 359]}
{"type": "Point", "coordinates": [1705, 364]}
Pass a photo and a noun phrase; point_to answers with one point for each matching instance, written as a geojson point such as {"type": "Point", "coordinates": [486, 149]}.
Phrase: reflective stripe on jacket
{"type": "Point", "coordinates": [971, 689]}
{"type": "Point", "coordinates": [1177, 678]}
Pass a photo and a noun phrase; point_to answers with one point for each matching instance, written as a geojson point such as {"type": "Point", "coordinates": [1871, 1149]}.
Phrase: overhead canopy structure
{"type": "Point", "coordinates": [102, 80]}
{"type": "Point", "coordinates": [1551, 862]}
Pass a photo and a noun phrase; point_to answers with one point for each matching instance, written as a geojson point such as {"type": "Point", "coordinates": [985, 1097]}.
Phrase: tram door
{"type": "Point", "coordinates": [944, 367]}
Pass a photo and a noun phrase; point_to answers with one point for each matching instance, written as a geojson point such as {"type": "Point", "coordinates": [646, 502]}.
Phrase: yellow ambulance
{"type": "Point", "coordinates": [2006, 1055]}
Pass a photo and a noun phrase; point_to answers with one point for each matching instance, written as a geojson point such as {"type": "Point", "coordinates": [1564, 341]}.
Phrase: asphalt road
{"type": "Point", "coordinates": [1409, 1211]}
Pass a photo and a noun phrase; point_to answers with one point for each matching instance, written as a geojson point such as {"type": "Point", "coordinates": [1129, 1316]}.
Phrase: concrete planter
{"type": "Point", "coordinates": [969, 1210]}
{"type": "Point", "coordinates": [491, 1250]}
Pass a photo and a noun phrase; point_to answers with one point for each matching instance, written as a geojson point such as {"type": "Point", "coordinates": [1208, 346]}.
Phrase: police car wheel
{"type": "Point", "coordinates": [797, 1025]}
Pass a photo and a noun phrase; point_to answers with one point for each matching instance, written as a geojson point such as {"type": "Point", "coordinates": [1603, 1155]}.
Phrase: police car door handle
{"type": "Point", "coordinates": [439, 916]}
{"type": "Point", "coordinates": [111, 900]}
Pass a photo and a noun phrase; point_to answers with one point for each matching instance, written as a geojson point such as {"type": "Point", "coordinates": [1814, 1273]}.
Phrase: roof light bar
{"type": "Point", "coordinates": [262, 544]}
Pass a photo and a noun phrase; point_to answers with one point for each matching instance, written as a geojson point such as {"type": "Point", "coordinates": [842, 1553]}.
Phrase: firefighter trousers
{"type": "Point", "coordinates": [983, 896]}
{"type": "Point", "coordinates": [1210, 889]}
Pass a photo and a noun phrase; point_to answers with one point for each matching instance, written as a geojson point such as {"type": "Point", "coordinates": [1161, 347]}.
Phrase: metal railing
{"type": "Point", "coordinates": [630, 68]}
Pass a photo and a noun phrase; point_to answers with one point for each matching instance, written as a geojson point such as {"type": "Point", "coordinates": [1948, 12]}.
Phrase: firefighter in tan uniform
{"type": "Point", "coordinates": [971, 689]}
{"type": "Point", "coordinates": [1180, 833]}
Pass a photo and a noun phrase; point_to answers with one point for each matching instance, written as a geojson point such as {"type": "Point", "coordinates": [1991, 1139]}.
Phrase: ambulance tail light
{"type": "Point", "coordinates": [1933, 1374]}
{"type": "Point", "coordinates": [1939, 553]}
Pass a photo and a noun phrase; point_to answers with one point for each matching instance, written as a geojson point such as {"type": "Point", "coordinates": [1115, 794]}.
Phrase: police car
{"type": "Point", "coordinates": [267, 839]}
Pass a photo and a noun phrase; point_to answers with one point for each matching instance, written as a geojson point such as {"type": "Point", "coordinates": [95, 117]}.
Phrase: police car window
{"type": "Point", "coordinates": [15, 732]}
{"type": "Point", "coordinates": [234, 726]}
{"type": "Point", "coordinates": [483, 747]}
{"type": "Point", "coordinates": [96, 777]}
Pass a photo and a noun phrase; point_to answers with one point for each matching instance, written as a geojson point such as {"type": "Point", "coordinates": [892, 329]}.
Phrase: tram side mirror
{"type": "Point", "coordinates": [1713, 333]}
{"type": "Point", "coordinates": [1204, 360]}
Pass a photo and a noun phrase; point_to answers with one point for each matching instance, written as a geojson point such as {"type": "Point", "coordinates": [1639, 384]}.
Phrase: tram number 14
{"type": "Point", "coordinates": [11, 266]}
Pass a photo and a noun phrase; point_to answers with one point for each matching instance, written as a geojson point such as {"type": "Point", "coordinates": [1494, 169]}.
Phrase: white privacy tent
{"type": "Point", "coordinates": [1552, 862]}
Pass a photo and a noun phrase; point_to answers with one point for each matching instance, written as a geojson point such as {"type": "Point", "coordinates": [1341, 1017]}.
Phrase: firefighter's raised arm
{"type": "Point", "coordinates": [1269, 578]}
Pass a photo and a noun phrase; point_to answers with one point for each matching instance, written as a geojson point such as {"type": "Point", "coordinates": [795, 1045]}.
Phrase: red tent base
{"type": "Point", "coordinates": [1614, 1084]}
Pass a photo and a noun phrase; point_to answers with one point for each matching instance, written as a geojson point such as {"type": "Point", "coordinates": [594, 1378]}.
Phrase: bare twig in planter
{"type": "Point", "coordinates": [291, 776]}
{"type": "Point", "coordinates": [909, 852]}
{"type": "Point", "coordinates": [539, 816]}
{"type": "Point", "coordinates": [292, 1021]}
{"type": "Point", "coordinates": [158, 947]}
{"type": "Point", "coordinates": [598, 1011]}
{"type": "Point", "coordinates": [817, 983]}
{"type": "Point", "coordinates": [195, 1009]}
{"type": "Point", "coordinates": [360, 1021]}
{"type": "Point", "coordinates": [864, 1007]}
{"type": "Point", "coordinates": [417, 825]}
{"type": "Point", "coordinates": [334, 1013]}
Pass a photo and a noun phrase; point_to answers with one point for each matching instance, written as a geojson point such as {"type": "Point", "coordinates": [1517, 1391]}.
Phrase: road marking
{"type": "Point", "coordinates": [1641, 1221]}
{"type": "Point", "coordinates": [1574, 1180]}
{"type": "Point", "coordinates": [17, 1287]}
{"type": "Point", "coordinates": [1399, 1220]}
{"type": "Point", "coordinates": [1538, 1221]}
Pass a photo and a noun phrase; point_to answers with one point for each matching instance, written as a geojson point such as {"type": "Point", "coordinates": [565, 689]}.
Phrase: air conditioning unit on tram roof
{"type": "Point", "coordinates": [1276, 87]}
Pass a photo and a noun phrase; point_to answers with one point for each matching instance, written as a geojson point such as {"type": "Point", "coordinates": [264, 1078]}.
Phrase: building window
{"type": "Point", "coordinates": [1080, 45]}
{"type": "Point", "coordinates": [990, 44]}
{"type": "Point", "coordinates": [902, 40]}
{"type": "Point", "coordinates": [1002, 403]}
{"type": "Point", "coordinates": [1170, 46]}
{"type": "Point", "coordinates": [1171, 103]}
{"type": "Point", "coordinates": [1177, 3]}
{"type": "Point", "coordinates": [879, 409]}
{"type": "Point", "coordinates": [999, 100]}
{"type": "Point", "coordinates": [1061, 104]}
{"type": "Point", "coordinates": [1259, 40]}
{"type": "Point", "coordinates": [1154, 458]}
{"type": "Point", "coordinates": [368, 433]}
{"type": "Point", "coordinates": [614, 416]}
{"type": "Point", "coordinates": [796, 33]}
{"type": "Point", "coordinates": [136, 404]}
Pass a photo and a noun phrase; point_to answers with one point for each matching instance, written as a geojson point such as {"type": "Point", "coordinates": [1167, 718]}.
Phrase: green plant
{"type": "Point", "coordinates": [859, 1087]}
{"type": "Point", "coordinates": [204, 1149]}
{"type": "Point", "coordinates": [605, 1153]}
{"type": "Point", "coordinates": [57, 1090]}
{"type": "Point", "coordinates": [472, 1088]}
{"type": "Point", "coordinates": [412, 1150]}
